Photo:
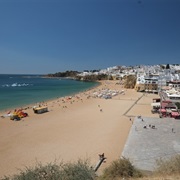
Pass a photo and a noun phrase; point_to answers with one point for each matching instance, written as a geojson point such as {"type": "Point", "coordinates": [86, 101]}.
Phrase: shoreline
{"type": "Point", "coordinates": [30, 106]}
{"type": "Point", "coordinates": [78, 128]}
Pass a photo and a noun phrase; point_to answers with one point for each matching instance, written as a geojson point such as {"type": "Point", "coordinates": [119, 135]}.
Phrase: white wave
{"type": "Point", "coordinates": [16, 85]}
{"type": "Point", "coordinates": [5, 85]}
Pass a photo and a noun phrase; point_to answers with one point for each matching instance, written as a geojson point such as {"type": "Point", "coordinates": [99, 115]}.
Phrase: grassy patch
{"type": "Point", "coordinates": [81, 170]}
{"type": "Point", "coordinates": [121, 168]}
{"type": "Point", "coordinates": [168, 167]}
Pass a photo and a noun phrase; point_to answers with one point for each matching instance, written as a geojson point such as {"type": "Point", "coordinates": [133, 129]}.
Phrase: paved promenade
{"type": "Point", "coordinates": [145, 145]}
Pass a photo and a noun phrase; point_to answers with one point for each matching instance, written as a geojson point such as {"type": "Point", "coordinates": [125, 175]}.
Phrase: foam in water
{"type": "Point", "coordinates": [16, 85]}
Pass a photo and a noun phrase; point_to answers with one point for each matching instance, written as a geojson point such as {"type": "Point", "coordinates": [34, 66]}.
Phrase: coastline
{"type": "Point", "coordinates": [72, 129]}
{"type": "Point", "coordinates": [30, 105]}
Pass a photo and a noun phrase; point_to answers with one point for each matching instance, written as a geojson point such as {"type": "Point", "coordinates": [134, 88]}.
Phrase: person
{"type": "Point", "coordinates": [101, 156]}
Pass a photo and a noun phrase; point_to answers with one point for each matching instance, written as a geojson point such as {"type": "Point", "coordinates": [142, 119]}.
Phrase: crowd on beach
{"type": "Point", "coordinates": [107, 93]}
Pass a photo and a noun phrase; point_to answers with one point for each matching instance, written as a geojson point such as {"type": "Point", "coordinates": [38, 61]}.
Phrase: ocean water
{"type": "Point", "coordinates": [20, 90]}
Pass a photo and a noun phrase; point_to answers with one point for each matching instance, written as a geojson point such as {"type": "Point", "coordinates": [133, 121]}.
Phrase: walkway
{"type": "Point", "coordinates": [145, 145]}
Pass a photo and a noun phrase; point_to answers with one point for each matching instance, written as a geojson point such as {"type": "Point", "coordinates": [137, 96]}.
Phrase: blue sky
{"type": "Point", "coordinates": [48, 36]}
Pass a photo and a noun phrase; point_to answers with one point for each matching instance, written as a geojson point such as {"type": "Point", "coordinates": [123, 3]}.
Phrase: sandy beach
{"type": "Point", "coordinates": [78, 127]}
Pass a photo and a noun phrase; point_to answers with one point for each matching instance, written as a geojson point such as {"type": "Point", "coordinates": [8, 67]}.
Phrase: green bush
{"type": "Point", "coordinates": [39, 172]}
{"type": "Point", "coordinates": [81, 170]}
{"type": "Point", "coordinates": [121, 168]}
{"type": "Point", "coordinates": [178, 105]}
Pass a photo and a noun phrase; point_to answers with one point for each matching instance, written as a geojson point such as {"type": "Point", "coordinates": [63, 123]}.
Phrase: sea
{"type": "Point", "coordinates": [21, 90]}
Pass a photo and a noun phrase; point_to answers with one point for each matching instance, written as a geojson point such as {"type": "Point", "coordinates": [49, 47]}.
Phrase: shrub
{"type": "Point", "coordinates": [121, 168]}
{"type": "Point", "coordinates": [178, 105]}
{"type": "Point", "coordinates": [168, 167]}
{"type": "Point", "coordinates": [130, 81]}
{"type": "Point", "coordinates": [39, 172]}
{"type": "Point", "coordinates": [77, 171]}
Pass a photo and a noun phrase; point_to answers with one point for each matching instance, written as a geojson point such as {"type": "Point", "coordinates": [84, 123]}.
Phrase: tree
{"type": "Point", "coordinates": [167, 66]}
{"type": "Point", "coordinates": [178, 105]}
{"type": "Point", "coordinates": [162, 66]}
{"type": "Point", "coordinates": [130, 81]}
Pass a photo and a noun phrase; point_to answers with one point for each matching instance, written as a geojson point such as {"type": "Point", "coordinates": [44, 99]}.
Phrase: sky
{"type": "Point", "coordinates": [48, 36]}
